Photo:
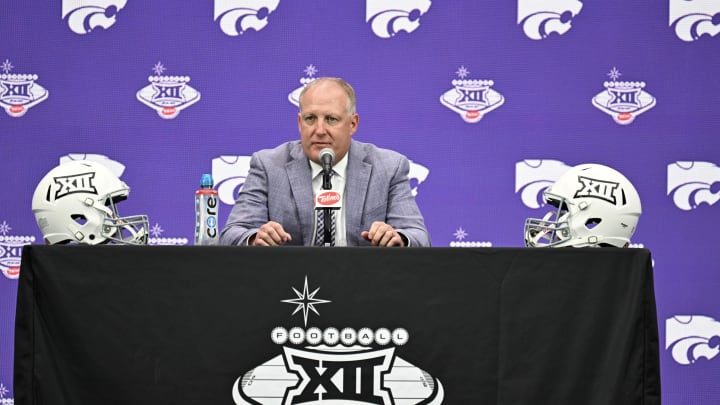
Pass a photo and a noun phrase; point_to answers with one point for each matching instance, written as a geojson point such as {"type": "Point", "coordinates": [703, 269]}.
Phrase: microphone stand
{"type": "Point", "coordinates": [327, 185]}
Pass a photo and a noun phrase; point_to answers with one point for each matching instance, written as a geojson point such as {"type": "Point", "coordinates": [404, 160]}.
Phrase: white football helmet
{"type": "Point", "coordinates": [595, 206]}
{"type": "Point", "coordinates": [76, 202]}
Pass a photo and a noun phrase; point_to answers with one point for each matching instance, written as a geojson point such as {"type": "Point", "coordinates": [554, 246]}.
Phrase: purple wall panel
{"type": "Point", "coordinates": [490, 101]}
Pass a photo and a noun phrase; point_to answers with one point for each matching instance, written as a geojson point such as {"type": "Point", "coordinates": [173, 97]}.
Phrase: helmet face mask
{"type": "Point", "coordinates": [553, 229]}
{"type": "Point", "coordinates": [76, 202]}
{"type": "Point", "coordinates": [131, 230]}
{"type": "Point", "coordinates": [595, 206]}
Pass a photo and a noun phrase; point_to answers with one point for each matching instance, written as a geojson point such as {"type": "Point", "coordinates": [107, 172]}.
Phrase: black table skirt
{"type": "Point", "coordinates": [223, 325]}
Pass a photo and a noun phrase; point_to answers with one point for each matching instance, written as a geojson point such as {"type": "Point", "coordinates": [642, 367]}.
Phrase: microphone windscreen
{"type": "Point", "coordinates": [326, 153]}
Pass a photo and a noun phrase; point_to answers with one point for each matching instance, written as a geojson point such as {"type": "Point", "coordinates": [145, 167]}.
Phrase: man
{"type": "Point", "coordinates": [275, 206]}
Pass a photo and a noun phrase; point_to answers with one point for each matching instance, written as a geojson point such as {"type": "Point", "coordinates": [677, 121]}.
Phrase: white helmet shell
{"type": "Point", "coordinates": [595, 206]}
{"type": "Point", "coordinates": [76, 202]}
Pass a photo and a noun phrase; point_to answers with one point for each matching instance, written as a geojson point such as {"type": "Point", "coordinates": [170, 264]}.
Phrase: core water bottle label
{"type": "Point", "coordinates": [206, 213]}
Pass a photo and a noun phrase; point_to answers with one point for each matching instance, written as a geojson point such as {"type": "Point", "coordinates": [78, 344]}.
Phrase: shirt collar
{"type": "Point", "coordinates": [340, 168]}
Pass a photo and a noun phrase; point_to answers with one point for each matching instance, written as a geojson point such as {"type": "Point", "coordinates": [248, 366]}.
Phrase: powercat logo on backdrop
{"type": "Point", "coordinates": [388, 18]}
{"type": "Point", "coordinates": [692, 184]}
{"type": "Point", "coordinates": [334, 365]}
{"type": "Point", "coordinates": [83, 16]}
{"type": "Point", "coordinates": [691, 338]}
{"type": "Point", "coordinates": [694, 19]}
{"type": "Point", "coordinates": [245, 14]}
{"type": "Point", "coordinates": [533, 176]}
{"type": "Point", "coordinates": [541, 18]}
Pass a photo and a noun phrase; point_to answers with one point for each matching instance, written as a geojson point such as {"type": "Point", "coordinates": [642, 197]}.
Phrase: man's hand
{"type": "Point", "coordinates": [270, 234]}
{"type": "Point", "coordinates": [382, 234]}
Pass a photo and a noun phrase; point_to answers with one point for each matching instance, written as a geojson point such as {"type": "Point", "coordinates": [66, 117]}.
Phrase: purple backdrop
{"type": "Point", "coordinates": [490, 100]}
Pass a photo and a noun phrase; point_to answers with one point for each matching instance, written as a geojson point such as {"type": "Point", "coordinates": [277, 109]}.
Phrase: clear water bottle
{"type": "Point", "coordinates": [206, 212]}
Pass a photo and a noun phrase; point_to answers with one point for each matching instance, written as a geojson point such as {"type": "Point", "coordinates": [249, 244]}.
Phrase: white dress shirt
{"type": "Point", "coordinates": [338, 184]}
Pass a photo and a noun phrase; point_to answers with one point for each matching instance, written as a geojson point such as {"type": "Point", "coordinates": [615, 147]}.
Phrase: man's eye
{"type": "Point", "coordinates": [309, 119]}
{"type": "Point", "coordinates": [332, 120]}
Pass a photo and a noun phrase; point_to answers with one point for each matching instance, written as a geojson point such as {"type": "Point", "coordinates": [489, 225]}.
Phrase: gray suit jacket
{"type": "Point", "coordinates": [279, 188]}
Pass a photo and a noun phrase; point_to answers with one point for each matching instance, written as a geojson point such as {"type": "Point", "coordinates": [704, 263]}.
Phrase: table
{"type": "Point", "coordinates": [238, 325]}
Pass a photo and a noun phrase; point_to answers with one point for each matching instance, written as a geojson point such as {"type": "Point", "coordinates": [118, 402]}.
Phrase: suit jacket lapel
{"type": "Point", "coordinates": [298, 172]}
{"type": "Point", "coordinates": [356, 186]}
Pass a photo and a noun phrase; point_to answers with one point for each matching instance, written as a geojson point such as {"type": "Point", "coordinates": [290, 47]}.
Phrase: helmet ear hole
{"type": "Point", "coordinates": [79, 219]}
{"type": "Point", "coordinates": [592, 223]}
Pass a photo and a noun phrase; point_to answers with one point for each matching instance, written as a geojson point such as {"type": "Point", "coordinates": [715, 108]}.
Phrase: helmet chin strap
{"type": "Point", "coordinates": [134, 228]}
{"type": "Point", "coordinates": [535, 238]}
{"type": "Point", "coordinates": [139, 236]}
{"type": "Point", "coordinates": [555, 229]}
{"type": "Point", "coordinates": [543, 232]}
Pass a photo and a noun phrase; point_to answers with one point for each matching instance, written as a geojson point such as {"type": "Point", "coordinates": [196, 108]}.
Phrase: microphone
{"type": "Point", "coordinates": [327, 156]}
{"type": "Point", "coordinates": [328, 199]}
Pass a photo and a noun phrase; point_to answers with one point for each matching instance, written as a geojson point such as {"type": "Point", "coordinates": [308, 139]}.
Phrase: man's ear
{"type": "Point", "coordinates": [354, 122]}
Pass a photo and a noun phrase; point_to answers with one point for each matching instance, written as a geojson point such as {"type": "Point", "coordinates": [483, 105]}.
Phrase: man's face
{"type": "Point", "coordinates": [324, 121]}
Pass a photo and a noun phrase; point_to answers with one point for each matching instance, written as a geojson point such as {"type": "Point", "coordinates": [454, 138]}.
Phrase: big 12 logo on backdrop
{"type": "Point", "coordinates": [167, 95]}
{"type": "Point", "coordinates": [310, 72]}
{"type": "Point", "coordinates": [471, 99]}
{"type": "Point", "coordinates": [623, 100]}
{"type": "Point", "coordinates": [19, 92]}
{"type": "Point", "coordinates": [11, 250]}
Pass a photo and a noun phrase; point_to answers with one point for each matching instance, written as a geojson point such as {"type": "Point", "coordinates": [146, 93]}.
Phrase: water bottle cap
{"type": "Point", "coordinates": [206, 181]}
